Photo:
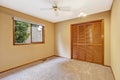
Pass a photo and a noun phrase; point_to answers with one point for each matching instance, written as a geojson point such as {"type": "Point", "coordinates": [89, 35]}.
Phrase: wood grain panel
{"type": "Point", "coordinates": [87, 41]}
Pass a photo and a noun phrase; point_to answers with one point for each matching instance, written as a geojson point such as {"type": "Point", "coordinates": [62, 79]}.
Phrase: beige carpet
{"type": "Point", "coordinates": [58, 68]}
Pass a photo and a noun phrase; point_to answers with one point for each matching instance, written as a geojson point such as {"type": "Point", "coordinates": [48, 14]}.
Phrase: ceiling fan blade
{"type": "Point", "coordinates": [46, 9]}
{"type": "Point", "coordinates": [55, 2]}
{"type": "Point", "coordinates": [64, 8]}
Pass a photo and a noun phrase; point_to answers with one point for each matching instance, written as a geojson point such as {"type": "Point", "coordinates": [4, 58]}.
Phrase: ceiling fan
{"type": "Point", "coordinates": [55, 7]}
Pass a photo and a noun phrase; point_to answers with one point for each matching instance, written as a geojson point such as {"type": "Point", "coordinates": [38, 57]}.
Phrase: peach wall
{"type": "Point", "coordinates": [115, 39]}
{"type": "Point", "coordinates": [14, 55]}
{"type": "Point", "coordinates": [63, 39]}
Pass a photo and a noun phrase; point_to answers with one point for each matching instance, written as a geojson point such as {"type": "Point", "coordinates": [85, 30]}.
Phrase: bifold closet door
{"type": "Point", "coordinates": [87, 42]}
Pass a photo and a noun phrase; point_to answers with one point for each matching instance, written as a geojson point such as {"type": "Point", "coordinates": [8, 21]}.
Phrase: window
{"type": "Point", "coordinates": [37, 32]}
{"type": "Point", "coordinates": [27, 33]}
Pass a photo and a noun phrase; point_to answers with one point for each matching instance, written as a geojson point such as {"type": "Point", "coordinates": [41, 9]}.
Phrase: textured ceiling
{"type": "Point", "coordinates": [33, 7]}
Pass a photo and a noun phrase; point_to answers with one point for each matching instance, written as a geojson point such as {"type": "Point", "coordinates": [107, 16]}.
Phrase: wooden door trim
{"type": "Point", "coordinates": [88, 22]}
{"type": "Point", "coordinates": [71, 41]}
{"type": "Point", "coordinates": [102, 26]}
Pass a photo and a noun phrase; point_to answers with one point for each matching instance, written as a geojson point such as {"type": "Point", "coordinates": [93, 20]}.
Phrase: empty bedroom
{"type": "Point", "coordinates": [59, 40]}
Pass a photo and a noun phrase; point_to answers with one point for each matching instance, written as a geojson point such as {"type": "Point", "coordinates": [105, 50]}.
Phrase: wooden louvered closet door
{"type": "Point", "coordinates": [87, 41]}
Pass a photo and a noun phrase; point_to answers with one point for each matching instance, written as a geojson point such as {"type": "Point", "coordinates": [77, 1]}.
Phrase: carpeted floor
{"type": "Point", "coordinates": [58, 68]}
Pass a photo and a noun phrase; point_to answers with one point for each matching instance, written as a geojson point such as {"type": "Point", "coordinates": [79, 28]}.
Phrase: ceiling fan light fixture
{"type": "Point", "coordinates": [55, 8]}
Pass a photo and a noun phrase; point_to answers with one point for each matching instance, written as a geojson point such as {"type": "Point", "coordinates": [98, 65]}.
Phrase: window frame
{"type": "Point", "coordinates": [43, 33]}
{"type": "Point", "coordinates": [43, 36]}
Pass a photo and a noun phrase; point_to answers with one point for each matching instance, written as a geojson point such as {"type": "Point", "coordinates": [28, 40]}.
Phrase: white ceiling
{"type": "Point", "coordinates": [33, 7]}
